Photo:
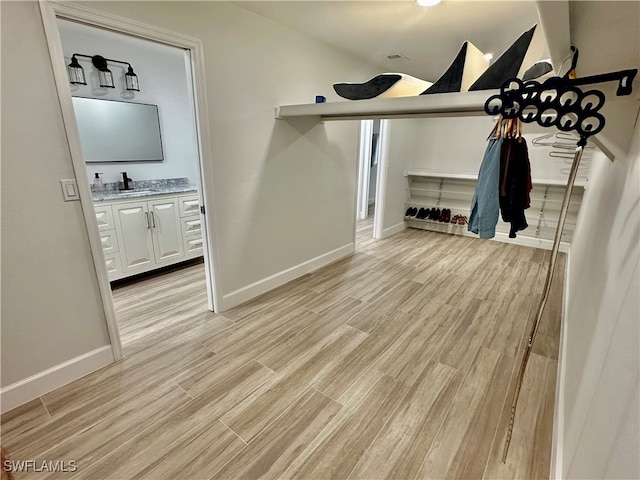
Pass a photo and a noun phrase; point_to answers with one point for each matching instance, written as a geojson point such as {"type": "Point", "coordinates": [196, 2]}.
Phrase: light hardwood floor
{"type": "Point", "coordinates": [397, 362]}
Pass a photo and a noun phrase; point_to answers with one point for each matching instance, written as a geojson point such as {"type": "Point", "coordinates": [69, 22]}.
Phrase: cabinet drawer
{"type": "Point", "coordinates": [104, 216]}
{"type": "Point", "coordinates": [189, 205]}
{"type": "Point", "coordinates": [109, 241]}
{"type": "Point", "coordinates": [114, 265]}
{"type": "Point", "coordinates": [193, 246]}
{"type": "Point", "coordinates": [191, 226]}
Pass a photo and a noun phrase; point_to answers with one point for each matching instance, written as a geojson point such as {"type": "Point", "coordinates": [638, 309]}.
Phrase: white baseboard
{"type": "Point", "coordinates": [37, 385]}
{"type": "Point", "coordinates": [244, 294]}
{"type": "Point", "coordinates": [398, 227]}
{"type": "Point", "coordinates": [557, 440]}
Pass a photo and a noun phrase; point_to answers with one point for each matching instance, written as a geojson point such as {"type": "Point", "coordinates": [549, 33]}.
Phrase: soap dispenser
{"type": "Point", "coordinates": [98, 186]}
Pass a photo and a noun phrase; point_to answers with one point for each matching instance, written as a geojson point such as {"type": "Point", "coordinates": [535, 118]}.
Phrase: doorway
{"type": "Point", "coordinates": [62, 24]}
{"type": "Point", "coordinates": [368, 167]}
{"type": "Point", "coordinates": [372, 165]}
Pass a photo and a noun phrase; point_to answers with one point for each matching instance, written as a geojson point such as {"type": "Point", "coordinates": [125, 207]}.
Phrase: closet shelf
{"type": "Point", "coordinates": [441, 104]}
{"type": "Point", "coordinates": [416, 172]}
{"type": "Point", "coordinates": [438, 189]}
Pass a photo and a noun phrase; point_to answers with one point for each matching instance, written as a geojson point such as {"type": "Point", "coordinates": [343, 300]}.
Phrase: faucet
{"type": "Point", "coordinates": [125, 181]}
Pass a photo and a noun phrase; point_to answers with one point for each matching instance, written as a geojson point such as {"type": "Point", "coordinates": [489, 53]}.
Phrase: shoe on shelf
{"type": "Point", "coordinates": [408, 212]}
{"type": "Point", "coordinates": [420, 214]}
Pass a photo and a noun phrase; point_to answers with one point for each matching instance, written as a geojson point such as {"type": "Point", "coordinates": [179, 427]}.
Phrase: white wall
{"type": "Point", "coordinates": [161, 71]}
{"type": "Point", "coordinates": [284, 192]}
{"type": "Point", "coordinates": [599, 381]}
{"type": "Point", "coordinates": [51, 306]}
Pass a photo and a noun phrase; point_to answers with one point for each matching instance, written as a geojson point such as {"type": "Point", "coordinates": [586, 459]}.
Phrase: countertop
{"type": "Point", "coordinates": [142, 192]}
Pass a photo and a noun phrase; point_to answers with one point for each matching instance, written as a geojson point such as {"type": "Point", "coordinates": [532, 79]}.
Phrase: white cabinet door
{"type": "Point", "coordinates": [134, 236]}
{"type": "Point", "coordinates": [166, 231]}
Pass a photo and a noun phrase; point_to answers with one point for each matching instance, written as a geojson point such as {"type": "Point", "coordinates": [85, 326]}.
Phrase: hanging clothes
{"type": "Point", "coordinates": [515, 183]}
{"type": "Point", "coordinates": [485, 204]}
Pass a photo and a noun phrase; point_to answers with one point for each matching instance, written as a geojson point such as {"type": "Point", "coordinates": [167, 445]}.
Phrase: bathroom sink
{"type": "Point", "coordinates": [139, 192]}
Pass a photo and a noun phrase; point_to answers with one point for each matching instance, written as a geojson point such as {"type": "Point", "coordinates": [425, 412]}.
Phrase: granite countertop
{"type": "Point", "coordinates": [144, 188]}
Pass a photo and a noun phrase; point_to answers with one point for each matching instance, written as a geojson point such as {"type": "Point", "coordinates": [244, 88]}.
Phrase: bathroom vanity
{"type": "Point", "coordinates": [148, 227]}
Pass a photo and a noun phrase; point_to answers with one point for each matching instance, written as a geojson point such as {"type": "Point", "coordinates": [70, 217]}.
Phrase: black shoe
{"type": "Point", "coordinates": [420, 214]}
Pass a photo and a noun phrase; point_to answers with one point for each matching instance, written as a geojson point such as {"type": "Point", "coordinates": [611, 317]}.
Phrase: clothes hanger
{"type": "Point", "coordinates": [497, 129]}
{"type": "Point", "coordinates": [561, 140]}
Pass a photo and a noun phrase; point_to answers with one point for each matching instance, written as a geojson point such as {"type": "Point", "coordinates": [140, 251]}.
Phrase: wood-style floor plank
{"type": "Point", "coordinates": [350, 436]}
{"type": "Point", "coordinates": [269, 402]}
{"type": "Point", "coordinates": [462, 445]}
{"type": "Point", "coordinates": [397, 362]}
{"type": "Point", "coordinates": [399, 449]}
{"type": "Point", "coordinates": [90, 445]}
{"type": "Point", "coordinates": [272, 452]}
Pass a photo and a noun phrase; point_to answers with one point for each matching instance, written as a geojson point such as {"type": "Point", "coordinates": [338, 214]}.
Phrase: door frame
{"type": "Point", "coordinates": [381, 179]}
{"type": "Point", "coordinates": [51, 11]}
{"type": "Point", "coordinates": [364, 169]}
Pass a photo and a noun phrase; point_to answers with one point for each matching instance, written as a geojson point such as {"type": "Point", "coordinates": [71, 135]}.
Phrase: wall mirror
{"type": "Point", "coordinates": [114, 131]}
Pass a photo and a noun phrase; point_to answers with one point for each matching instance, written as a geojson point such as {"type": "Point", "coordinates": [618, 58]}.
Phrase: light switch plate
{"type": "Point", "coordinates": [69, 189]}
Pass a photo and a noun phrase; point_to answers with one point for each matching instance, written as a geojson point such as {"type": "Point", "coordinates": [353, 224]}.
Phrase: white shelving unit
{"type": "Point", "coordinates": [455, 191]}
{"type": "Point", "coordinates": [449, 104]}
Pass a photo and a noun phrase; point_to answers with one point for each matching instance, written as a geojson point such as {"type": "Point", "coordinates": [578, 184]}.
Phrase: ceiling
{"type": "Point", "coordinates": [427, 38]}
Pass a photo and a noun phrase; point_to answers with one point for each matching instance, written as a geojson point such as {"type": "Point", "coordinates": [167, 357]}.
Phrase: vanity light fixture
{"type": "Point", "coordinates": [105, 77]}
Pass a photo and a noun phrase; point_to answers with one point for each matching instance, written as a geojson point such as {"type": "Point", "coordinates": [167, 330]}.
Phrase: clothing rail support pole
{"type": "Point", "coordinates": [547, 287]}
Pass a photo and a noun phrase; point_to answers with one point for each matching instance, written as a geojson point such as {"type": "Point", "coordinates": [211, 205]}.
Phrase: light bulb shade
{"type": "Point", "coordinates": [76, 72]}
{"type": "Point", "coordinates": [427, 3]}
{"type": "Point", "coordinates": [105, 77]}
{"type": "Point", "coordinates": [131, 80]}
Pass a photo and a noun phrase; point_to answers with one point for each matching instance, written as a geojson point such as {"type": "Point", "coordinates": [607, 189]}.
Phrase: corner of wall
{"type": "Point", "coordinates": [44, 382]}
{"type": "Point", "coordinates": [558, 412]}
{"type": "Point", "coordinates": [256, 289]}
